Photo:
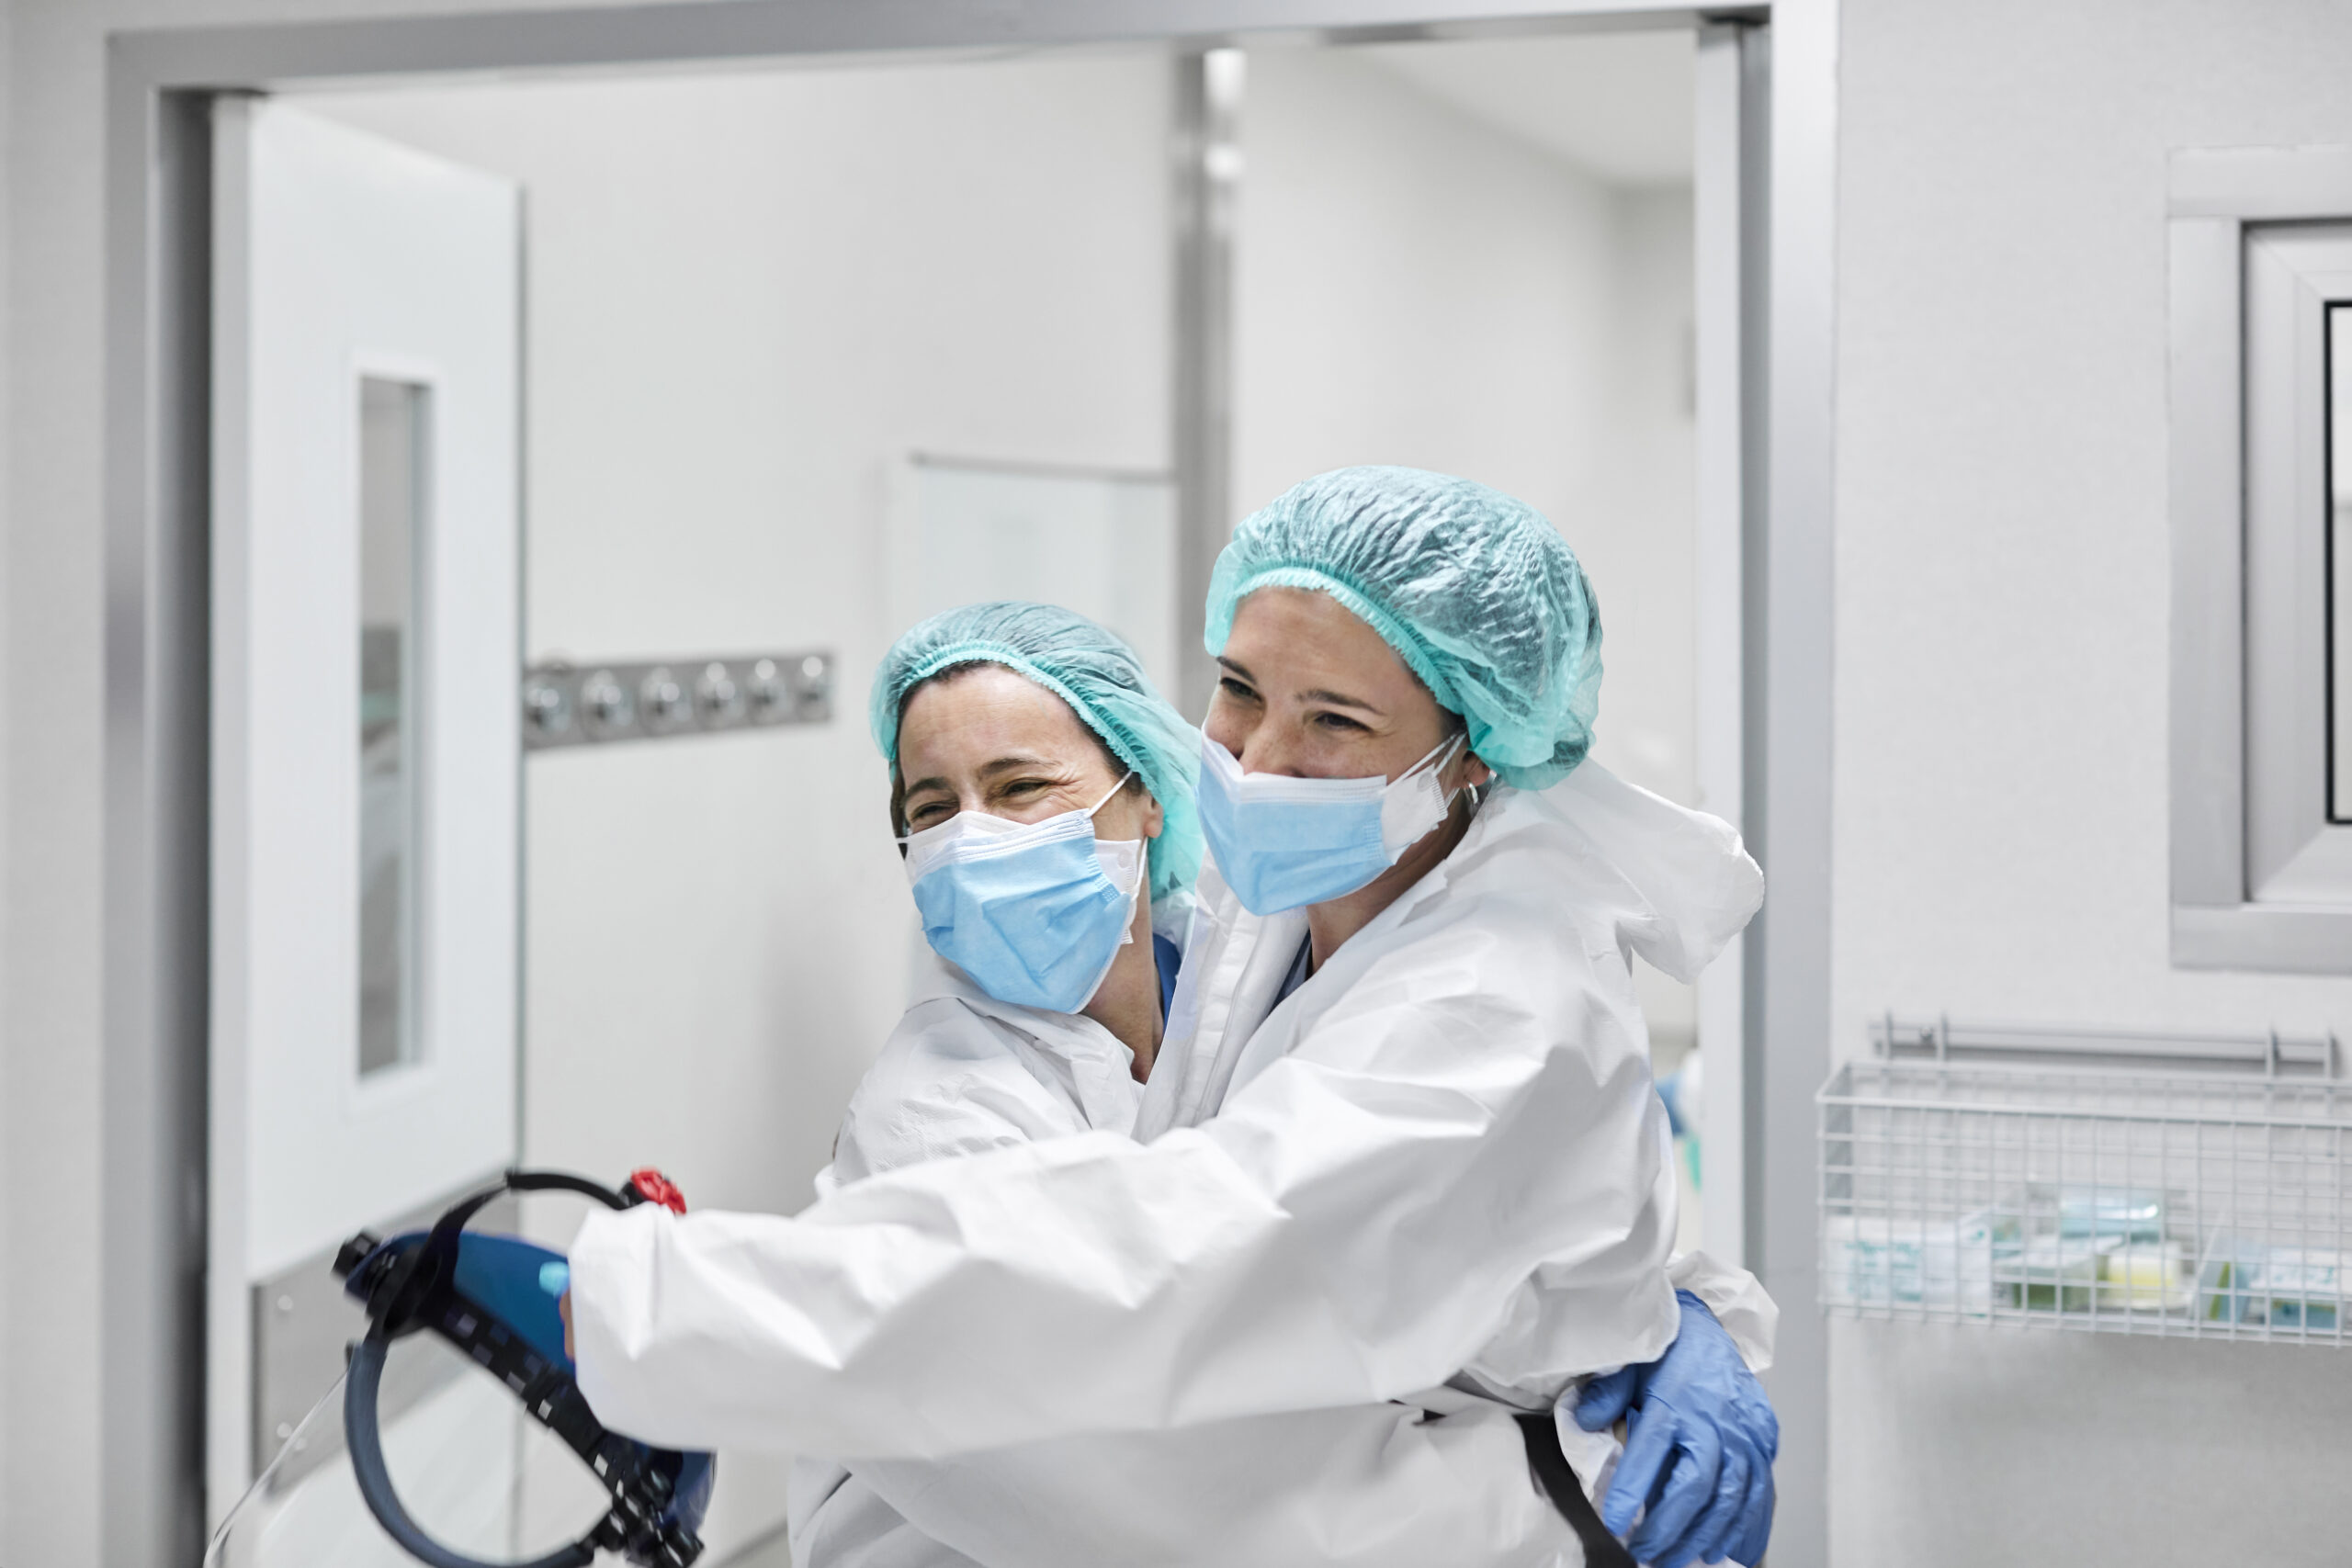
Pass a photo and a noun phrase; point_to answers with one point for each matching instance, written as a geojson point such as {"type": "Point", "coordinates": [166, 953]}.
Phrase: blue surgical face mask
{"type": "Point", "coordinates": [1033, 912]}
{"type": "Point", "coordinates": [1282, 842]}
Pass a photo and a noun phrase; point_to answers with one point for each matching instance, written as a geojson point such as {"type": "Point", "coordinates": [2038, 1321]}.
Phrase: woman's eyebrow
{"type": "Point", "coordinates": [1318, 695]}
{"type": "Point", "coordinates": [1337, 700]}
{"type": "Point", "coordinates": [1020, 763]}
{"type": "Point", "coordinates": [1017, 762]}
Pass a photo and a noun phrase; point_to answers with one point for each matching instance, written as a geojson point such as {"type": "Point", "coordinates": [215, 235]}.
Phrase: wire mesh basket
{"type": "Point", "coordinates": [2099, 1197]}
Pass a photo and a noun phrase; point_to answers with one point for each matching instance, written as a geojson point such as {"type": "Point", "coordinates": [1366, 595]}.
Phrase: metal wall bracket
{"type": "Point", "coordinates": [2270, 1054]}
{"type": "Point", "coordinates": [567, 705]}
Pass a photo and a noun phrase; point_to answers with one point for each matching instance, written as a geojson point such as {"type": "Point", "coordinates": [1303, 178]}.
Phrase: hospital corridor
{"type": "Point", "coordinates": [1205, 783]}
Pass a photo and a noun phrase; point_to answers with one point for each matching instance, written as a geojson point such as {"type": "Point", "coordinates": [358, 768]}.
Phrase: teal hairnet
{"type": "Point", "coordinates": [1476, 592]}
{"type": "Point", "coordinates": [1102, 680]}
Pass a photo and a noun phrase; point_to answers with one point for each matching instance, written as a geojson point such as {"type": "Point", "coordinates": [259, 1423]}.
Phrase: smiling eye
{"type": "Point", "coordinates": [1236, 690]}
{"type": "Point", "coordinates": [929, 814]}
{"type": "Point", "coordinates": [1340, 721]}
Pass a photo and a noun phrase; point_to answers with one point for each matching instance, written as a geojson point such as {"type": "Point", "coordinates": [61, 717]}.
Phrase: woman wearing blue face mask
{"type": "Point", "coordinates": [1021, 738]}
{"type": "Point", "coordinates": [1029, 760]}
{"type": "Point", "coordinates": [1402, 1144]}
{"type": "Point", "coordinates": [1395, 793]}
{"type": "Point", "coordinates": [1031, 834]}
{"type": "Point", "coordinates": [1042, 796]}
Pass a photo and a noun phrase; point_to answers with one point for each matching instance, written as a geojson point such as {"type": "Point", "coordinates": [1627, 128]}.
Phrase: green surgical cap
{"type": "Point", "coordinates": [1476, 592]}
{"type": "Point", "coordinates": [1102, 680]}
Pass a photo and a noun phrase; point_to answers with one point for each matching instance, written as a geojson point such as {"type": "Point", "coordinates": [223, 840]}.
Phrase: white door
{"type": "Point", "coordinates": [364, 749]}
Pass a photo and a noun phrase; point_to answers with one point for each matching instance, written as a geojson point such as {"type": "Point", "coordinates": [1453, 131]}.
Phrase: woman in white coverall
{"type": "Point", "coordinates": [1024, 714]}
{"type": "Point", "coordinates": [1410, 1138]}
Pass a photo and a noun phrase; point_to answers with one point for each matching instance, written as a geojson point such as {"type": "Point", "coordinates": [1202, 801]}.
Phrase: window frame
{"type": "Point", "coordinates": [2261, 245]}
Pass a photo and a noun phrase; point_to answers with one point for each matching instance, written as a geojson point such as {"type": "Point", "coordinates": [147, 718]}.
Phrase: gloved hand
{"type": "Point", "coordinates": [1700, 1409]}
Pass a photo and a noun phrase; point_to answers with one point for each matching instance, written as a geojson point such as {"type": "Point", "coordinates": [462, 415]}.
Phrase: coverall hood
{"type": "Point", "coordinates": [1686, 883]}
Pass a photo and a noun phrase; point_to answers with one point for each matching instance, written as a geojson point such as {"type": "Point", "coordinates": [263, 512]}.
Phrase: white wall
{"type": "Point", "coordinates": [1414, 286]}
{"type": "Point", "coordinates": [2001, 688]}
{"type": "Point", "coordinates": [749, 296]}
{"type": "Point", "coordinates": [1640, 545]}
{"type": "Point", "coordinates": [7, 161]}
{"type": "Point", "coordinates": [52, 1142]}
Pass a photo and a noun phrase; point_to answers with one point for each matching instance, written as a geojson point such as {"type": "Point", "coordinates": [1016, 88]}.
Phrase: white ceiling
{"type": "Point", "coordinates": [1616, 105]}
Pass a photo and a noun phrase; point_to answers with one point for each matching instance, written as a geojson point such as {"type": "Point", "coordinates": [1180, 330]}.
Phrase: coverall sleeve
{"type": "Point", "coordinates": [1349, 1229]}
{"type": "Point", "coordinates": [1737, 1299]}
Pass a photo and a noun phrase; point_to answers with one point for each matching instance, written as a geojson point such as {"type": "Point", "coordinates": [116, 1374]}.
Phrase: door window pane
{"type": "Point", "coordinates": [392, 486]}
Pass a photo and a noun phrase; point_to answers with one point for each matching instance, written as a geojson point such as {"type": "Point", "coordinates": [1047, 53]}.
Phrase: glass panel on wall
{"type": "Point", "coordinates": [1095, 542]}
{"type": "Point", "coordinates": [391, 496]}
{"type": "Point", "coordinates": [2339, 561]}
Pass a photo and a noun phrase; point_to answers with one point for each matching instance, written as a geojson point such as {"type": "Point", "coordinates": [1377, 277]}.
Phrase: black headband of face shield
{"type": "Point", "coordinates": [409, 1284]}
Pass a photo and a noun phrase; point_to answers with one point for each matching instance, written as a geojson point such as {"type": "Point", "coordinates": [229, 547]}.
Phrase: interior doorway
{"type": "Point", "coordinates": [664, 515]}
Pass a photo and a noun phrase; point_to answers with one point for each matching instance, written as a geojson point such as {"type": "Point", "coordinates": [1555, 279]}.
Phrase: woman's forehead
{"type": "Point", "coordinates": [983, 714]}
{"type": "Point", "coordinates": [1297, 638]}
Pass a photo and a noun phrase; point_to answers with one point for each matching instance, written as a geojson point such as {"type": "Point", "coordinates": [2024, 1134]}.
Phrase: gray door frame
{"type": "Point", "coordinates": [157, 634]}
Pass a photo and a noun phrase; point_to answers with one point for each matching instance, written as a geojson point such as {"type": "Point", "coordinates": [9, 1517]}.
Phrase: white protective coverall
{"type": "Point", "coordinates": [1438, 1160]}
{"type": "Point", "coordinates": [965, 1072]}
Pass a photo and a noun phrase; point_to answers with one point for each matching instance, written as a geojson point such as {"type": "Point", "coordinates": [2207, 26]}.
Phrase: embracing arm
{"type": "Point", "coordinates": [1697, 1471]}
{"type": "Point", "coordinates": [1346, 1232]}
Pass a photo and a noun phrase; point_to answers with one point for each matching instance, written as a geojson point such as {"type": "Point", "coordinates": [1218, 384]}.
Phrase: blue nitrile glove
{"type": "Point", "coordinates": [1699, 1407]}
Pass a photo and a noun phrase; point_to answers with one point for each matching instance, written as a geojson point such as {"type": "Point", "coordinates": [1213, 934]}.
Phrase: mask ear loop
{"type": "Point", "coordinates": [1458, 744]}
{"type": "Point", "coordinates": [1438, 757]}
{"type": "Point", "coordinates": [1141, 876]}
{"type": "Point", "coordinates": [1106, 799]}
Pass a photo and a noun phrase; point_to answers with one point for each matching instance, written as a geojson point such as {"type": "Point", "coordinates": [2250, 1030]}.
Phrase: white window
{"type": "Point", "coordinates": [2262, 558]}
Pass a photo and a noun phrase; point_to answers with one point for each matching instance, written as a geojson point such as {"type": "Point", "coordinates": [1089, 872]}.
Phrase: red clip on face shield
{"type": "Point", "coordinates": [651, 1187]}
